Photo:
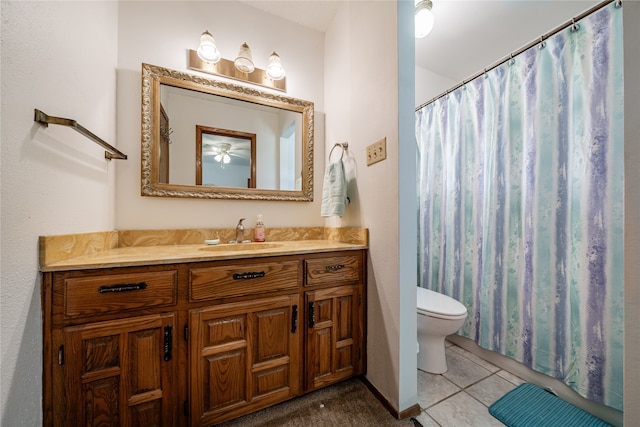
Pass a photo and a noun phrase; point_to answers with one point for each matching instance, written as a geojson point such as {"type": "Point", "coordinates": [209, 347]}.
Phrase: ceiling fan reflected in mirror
{"type": "Point", "coordinates": [220, 153]}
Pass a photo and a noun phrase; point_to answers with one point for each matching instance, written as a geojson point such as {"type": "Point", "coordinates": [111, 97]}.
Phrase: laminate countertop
{"type": "Point", "coordinates": [156, 247]}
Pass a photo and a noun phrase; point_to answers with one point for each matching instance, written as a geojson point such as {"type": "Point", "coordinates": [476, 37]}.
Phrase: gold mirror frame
{"type": "Point", "coordinates": [153, 76]}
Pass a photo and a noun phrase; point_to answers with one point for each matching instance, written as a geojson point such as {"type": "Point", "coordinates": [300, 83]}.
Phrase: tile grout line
{"type": "Point", "coordinates": [489, 368]}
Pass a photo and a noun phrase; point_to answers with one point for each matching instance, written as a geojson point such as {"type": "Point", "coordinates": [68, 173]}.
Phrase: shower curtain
{"type": "Point", "coordinates": [521, 205]}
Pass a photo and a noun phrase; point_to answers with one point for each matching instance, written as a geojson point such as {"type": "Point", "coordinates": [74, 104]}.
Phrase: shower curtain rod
{"type": "Point", "coordinates": [572, 22]}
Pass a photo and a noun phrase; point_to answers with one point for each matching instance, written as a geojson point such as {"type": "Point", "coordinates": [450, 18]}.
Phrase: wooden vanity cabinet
{"type": "Point", "coordinates": [117, 372]}
{"type": "Point", "coordinates": [109, 346]}
{"type": "Point", "coordinates": [243, 355]}
{"type": "Point", "coordinates": [334, 299]}
{"type": "Point", "coordinates": [333, 343]}
{"type": "Point", "coordinates": [199, 343]}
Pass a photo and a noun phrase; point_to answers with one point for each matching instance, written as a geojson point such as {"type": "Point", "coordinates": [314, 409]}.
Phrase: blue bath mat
{"type": "Point", "coordinates": [531, 406]}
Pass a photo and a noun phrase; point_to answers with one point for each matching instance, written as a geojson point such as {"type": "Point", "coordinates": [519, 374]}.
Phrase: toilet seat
{"type": "Point", "coordinates": [438, 305]}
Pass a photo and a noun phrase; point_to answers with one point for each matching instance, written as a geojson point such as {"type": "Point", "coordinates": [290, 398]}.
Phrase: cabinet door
{"type": "Point", "coordinates": [334, 335]}
{"type": "Point", "coordinates": [116, 373]}
{"type": "Point", "coordinates": [243, 357]}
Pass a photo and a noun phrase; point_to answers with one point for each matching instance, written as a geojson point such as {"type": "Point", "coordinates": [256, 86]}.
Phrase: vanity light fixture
{"type": "Point", "coordinates": [274, 69]}
{"type": "Point", "coordinates": [207, 50]}
{"type": "Point", "coordinates": [424, 19]}
{"type": "Point", "coordinates": [209, 60]}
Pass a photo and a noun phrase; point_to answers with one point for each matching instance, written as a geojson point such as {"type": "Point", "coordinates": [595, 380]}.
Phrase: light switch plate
{"type": "Point", "coordinates": [377, 151]}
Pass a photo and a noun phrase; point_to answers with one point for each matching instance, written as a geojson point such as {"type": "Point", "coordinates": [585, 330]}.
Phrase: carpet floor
{"type": "Point", "coordinates": [349, 403]}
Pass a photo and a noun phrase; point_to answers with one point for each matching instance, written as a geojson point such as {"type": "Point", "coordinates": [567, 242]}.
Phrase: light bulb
{"type": "Point", "coordinates": [244, 61]}
{"type": "Point", "coordinates": [207, 51]}
{"type": "Point", "coordinates": [274, 69]}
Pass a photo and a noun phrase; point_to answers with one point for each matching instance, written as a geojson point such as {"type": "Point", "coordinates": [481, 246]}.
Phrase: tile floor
{"type": "Point", "coordinates": [460, 397]}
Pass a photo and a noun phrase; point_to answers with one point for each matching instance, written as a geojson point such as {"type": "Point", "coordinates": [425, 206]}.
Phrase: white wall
{"type": "Point", "coordinates": [160, 33]}
{"type": "Point", "coordinates": [59, 57]}
{"type": "Point", "coordinates": [430, 85]}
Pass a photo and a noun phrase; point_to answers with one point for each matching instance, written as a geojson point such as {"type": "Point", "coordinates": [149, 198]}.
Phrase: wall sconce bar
{"type": "Point", "coordinates": [111, 153]}
{"type": "Point", "coordinates": [226, 68]}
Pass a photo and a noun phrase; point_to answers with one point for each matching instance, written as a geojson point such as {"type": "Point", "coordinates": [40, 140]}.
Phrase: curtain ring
{"type": "Point", "coordinates": [511, 60]}
{"type": "Point", "coordinates": [485, 74]}
{"type": "Point", "coordinates": [542, 43]}
{"type": "Point", "coordinates": [574, 25]}
{"type": "Point", "coordinates": [618, 3]}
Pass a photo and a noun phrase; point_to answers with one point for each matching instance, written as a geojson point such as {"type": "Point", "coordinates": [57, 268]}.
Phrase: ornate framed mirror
{"type": "Point", "coordinates": [265, 140]}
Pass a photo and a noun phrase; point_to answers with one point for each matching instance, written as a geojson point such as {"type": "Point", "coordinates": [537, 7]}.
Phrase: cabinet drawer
{"type": "Point", "coordinates": [101, 294]}
{"type": "Point", "coordinates": [228, 281]}
{"type": "Point", "coordinates": [332, 270]}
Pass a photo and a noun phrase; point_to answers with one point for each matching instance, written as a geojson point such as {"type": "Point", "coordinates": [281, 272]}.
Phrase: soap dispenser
{"type": "Point", "coordinates": [259, 231]}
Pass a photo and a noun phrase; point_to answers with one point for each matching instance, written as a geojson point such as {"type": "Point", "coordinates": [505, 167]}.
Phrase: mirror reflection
{"type": "Point", "coordinates": [211, 139]}
{"type": "Point", "coordinates": [225, 158]}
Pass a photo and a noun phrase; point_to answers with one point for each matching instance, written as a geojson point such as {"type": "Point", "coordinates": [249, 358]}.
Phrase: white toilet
{"type": "Point", "coordinates": [438, 316]}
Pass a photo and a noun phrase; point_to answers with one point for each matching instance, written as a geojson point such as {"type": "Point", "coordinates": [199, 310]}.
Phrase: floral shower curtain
{"type": "Point", "coordinates": [521, 205]}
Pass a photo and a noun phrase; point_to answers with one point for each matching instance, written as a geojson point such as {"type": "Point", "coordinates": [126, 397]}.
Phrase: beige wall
{"type": "Point", "coordinates": [70, 58]}
{"type": "Point", "coordinates": [159, 33]}
{"type": "Point", "coordinates": [82, 60]}
{"type": "Point", "coordinates": [59, 57]}
{"type": "Point", "coordinates": [362, 104]}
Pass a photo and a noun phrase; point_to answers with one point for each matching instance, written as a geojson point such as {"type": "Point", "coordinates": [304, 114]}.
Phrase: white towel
{"type": "Point", "coordinates": [334, 190]}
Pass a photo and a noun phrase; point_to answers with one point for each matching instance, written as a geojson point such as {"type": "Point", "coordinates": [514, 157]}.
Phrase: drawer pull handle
{"type": "Point", "coordinates": [334, 267]}
{"type": "Point", "coordinates": [168, 343]}
{"type": "Point", "coordinates": [294, 318]}
{"type": "Point", "coordinates": [127, 287]}
{"type": "Point", "coordinates": [249, 275]}
{"type": "Point", "coordinates": [312, 314]}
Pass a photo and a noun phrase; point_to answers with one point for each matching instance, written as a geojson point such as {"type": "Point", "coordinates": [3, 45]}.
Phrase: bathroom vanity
{"type": "Point", "coordinates": [191, 334]}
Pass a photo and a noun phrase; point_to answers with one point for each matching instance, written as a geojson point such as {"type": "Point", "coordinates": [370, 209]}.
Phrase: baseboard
{"type": "Point", "coordinates": [409, 412]}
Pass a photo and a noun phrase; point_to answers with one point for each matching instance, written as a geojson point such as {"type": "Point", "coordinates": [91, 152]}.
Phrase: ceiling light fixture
{"type": "Point", "coordinates": [207, 50]}
{"type": "Point", "coordinates": [424, 19]}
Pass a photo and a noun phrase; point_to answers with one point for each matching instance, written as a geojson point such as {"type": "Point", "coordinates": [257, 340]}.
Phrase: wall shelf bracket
{"type": "Point", "coordinates": [111, 153]}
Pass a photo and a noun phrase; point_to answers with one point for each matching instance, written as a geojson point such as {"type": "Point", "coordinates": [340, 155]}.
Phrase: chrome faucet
{"type": "Point", "coordinates": [240, 233]}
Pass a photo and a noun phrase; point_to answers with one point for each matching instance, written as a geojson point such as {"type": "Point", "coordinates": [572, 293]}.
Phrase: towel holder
{"type": "Point", "coordinates": [110, 153]}
{"type": "Point", "coordinates": [343, 145]}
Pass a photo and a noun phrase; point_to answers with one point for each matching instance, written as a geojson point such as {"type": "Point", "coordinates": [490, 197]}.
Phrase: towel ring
{"type": "Point", "coordinates": [343, 145]}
